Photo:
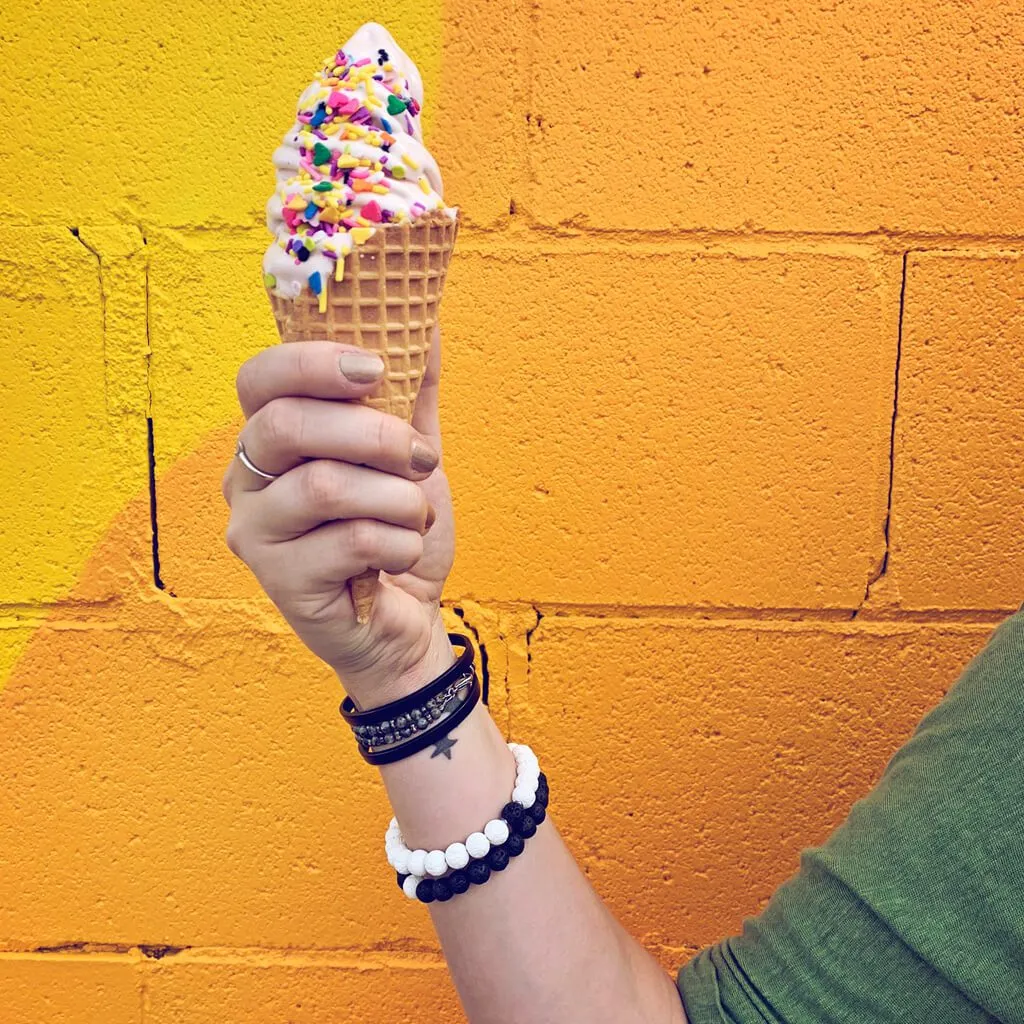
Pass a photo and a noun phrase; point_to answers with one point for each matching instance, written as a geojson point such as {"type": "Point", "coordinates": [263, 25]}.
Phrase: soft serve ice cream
{"type": "Point", "coordinates": [352, 163]}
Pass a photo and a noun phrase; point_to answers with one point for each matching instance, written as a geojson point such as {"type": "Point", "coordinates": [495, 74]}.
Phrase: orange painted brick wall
{"type": "Point", "coordinates": [733, 364]}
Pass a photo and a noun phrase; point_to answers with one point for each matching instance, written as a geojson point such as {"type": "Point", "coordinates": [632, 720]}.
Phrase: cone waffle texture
{"type": "Point", "coordinates": [387, 302]}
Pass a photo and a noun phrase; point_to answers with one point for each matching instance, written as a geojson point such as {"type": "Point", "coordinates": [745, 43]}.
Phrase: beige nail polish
{"type": "Point", "coordinates": [422, 458]}
{"type": "Point", "coordinates": [361, 367]}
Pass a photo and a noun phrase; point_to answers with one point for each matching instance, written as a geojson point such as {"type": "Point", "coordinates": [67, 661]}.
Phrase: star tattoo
{"type": "Point", "coordinates": [444, 746]}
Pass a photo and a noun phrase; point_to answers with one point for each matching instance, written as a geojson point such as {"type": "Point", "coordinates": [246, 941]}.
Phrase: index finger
{"type": "Point", "coordinates": [314, 369]}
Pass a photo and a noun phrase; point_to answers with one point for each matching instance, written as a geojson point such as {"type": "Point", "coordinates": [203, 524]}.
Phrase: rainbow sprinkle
{"type": "Point", "coordinates": [351, 169]}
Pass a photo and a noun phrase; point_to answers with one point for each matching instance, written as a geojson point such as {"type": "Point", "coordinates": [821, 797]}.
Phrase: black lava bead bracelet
{"type": "Point", "coordinates": [522, 825]}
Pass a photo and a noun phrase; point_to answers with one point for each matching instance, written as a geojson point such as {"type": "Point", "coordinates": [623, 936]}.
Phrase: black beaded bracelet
{"type": "Point", "coordinates": [402, 726]}
{"type": "Point", "coordinates": [405, 726]}
{"type": "Point", "coordinates": [522, 825]}
{"type": "Point", "coordinates": [408, 747]}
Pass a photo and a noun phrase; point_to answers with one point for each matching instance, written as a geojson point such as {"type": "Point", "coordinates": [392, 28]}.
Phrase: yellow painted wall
{"type": "Point", "coordinates": [716, 584]}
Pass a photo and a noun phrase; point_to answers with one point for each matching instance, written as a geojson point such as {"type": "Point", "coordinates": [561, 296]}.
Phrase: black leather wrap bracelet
{"type": "Point", "coordinates": [397, 730]}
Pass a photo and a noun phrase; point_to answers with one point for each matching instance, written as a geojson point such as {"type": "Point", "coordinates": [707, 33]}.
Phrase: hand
{"type": "Point", "coordinates": [356, 489]}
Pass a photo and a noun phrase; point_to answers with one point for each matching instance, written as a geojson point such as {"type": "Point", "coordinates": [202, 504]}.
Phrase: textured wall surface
{"type": "Point", "coordinates": [734, 355]}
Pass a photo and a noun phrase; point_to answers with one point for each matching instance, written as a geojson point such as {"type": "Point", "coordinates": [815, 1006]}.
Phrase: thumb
{"type": "Point", "coordinates": [425, 414]}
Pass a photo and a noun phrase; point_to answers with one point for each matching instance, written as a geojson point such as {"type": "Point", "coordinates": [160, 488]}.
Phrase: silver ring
{"type": "Point", "coordinates": [249, 465]}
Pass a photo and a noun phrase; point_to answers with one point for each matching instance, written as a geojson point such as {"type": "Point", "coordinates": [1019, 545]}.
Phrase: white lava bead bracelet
{"type": "Point", "coordinates": [419, 864]}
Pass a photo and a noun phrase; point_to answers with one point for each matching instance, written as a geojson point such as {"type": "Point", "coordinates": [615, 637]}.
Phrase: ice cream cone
{"type": "Point", "coordinates": [386, 300]}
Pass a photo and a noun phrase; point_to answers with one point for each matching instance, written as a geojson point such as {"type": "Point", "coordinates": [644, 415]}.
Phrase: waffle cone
{"type": "Point", "coordinates": [387, 302]}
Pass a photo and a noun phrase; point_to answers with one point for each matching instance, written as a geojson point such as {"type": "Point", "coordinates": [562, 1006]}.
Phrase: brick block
{"type": "Point", "coordinates": [658, 427]}
{"type": "Point", "coordinates": [188, 786]}
{"type": "Point", "coordinates": [14, 639]}
{"type": "Point", "coordinates": [215, 91]}
{"type": "Point", "coordinates": [824, 117]}
{"type": "Point", "coordinates": [479, 134]}
{"type": "Point", "coordinates": [957, 490]}
{"type": "Point", "coordinates": [181, 776]}
{"type": "Point", "coordinates": [68, 990]}
{"type": "Point", "coordinates": [194, 559]}
{"type": "Point", "coordinates": [650, 427]}
{"type": "Point", "coordinates": [691, 762]}
{"type": "Point", "coordinates": [208, 314]}
{"type": "Point", "coordinates": [73, 440]}
{"type": "Point", "coordinates": [364, 990]}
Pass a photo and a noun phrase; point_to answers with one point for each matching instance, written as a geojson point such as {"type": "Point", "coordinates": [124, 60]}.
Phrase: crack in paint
{"type": "Point", "coordinates": [154, 525]}
{"type": "Point", "coordinates": [531, 631]}
{"type": "Point", "coordinates": [485, 675]}
{"type": "Point", "coordinates": [154, 522]}
{"type": "Point", "coordinates": [150, 441]}
{"type": "Point", "coordinates": [529, 660]}
{"type": "Point", "coordinates": [103, 309]}
{"type": "Point", "coordinates": [503, 639]}
{"type": "Point", "coordinates": [70, 947]}
{"type": "Point", "coordinates": [883, 566]}
{"type": "Point", "coordinates": [159, 952]}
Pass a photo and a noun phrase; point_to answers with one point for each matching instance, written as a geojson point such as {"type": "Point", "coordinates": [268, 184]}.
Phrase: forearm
{"type": "Point", "coordinates": [324, 487]}
{"type": "Point", "coordinates": [535, 943]}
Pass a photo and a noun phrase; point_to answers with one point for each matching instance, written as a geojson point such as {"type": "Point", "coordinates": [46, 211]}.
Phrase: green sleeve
{"type": "Point", "coordinates": [913, 910]}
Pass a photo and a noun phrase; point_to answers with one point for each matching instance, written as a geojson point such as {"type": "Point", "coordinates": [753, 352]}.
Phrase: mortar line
{"type": "Point", "coordinates": [79, 615]}
{"type": "Point", "coordinates": [784, 616]}
{"type": "Point", "coordinates": [634, 238]}
{"type": "Point", "coordinates": [133, 954]}
{"type": "Point", "coordinates": [898, 239]}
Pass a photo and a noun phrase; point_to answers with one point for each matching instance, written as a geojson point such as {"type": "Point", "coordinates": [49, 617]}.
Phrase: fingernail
{"type": "Point", "coordinates": [431, 516]}
{"type": "Point", "coordinates": [361, 367]}
{"type": "Point", "coordinates": [423, 458]}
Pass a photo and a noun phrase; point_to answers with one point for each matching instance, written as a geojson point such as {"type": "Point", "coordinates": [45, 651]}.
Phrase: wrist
{"type": "Point", "coordinates": [428, 661]}
{"type": "Point", "coordinates": [438, 798]}
{"type": "Point", "coordinates": [438, 658]}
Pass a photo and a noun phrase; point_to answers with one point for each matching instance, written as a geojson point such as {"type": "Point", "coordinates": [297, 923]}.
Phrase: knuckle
{"type": "Point", "coordinates": [321, 485]}
{"type": "Point", "coordinates": [306, 362]}
{"type": "Point", "coordinates": [280, 424]}
{"type": "Point", "coordinates": [411, 553]}
{"type": "Point", "coordinates": [233, 539]}
{"type": "Point", "coordinates": [384, 434]}
{"type": "Point", "coordinates": [415, 503]}
{"type": "Point", "coordinates": [245, 384]}
{"type": "Point", "coordinates": [391, 440]}
{"type": "Point", "coordinates": [364, 539]}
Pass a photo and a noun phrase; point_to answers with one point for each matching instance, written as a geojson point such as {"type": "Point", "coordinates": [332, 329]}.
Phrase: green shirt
{"type": "Point", "coordinates": [913, 910]}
